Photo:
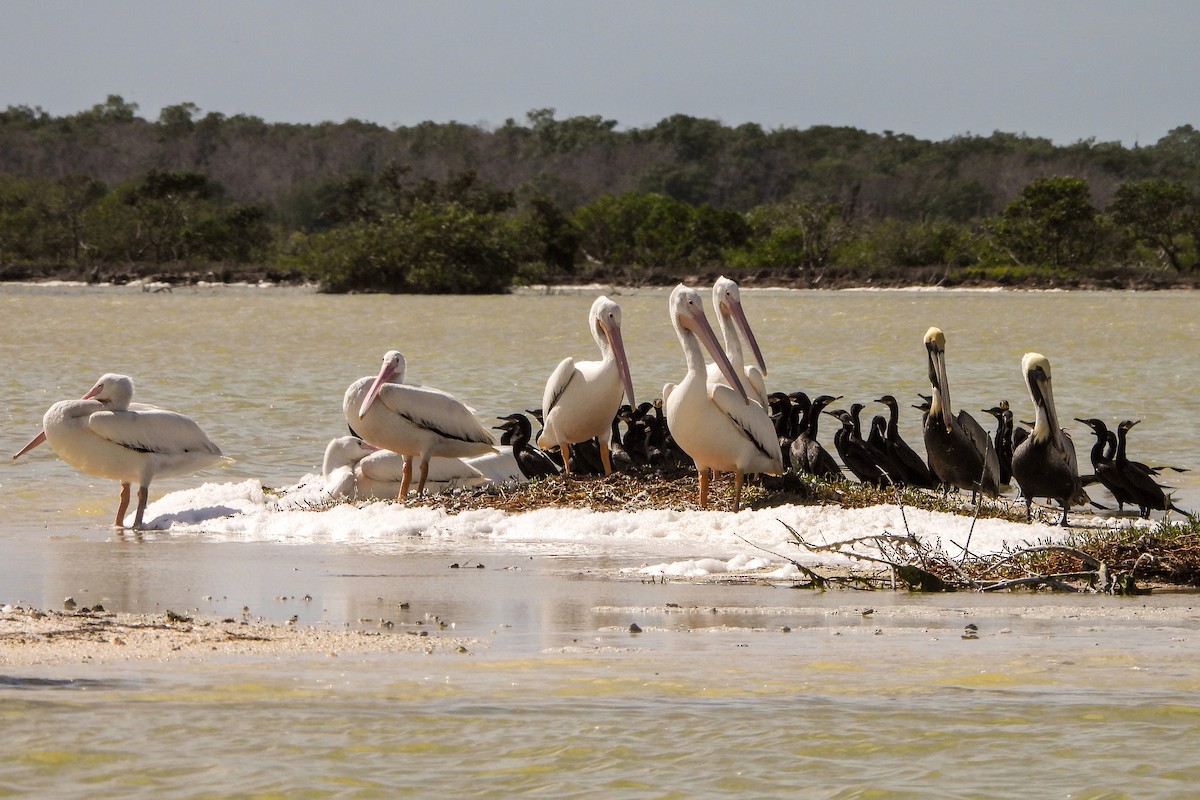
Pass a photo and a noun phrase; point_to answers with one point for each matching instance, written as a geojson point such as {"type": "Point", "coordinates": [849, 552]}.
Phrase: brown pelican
{"type": "Point", "coordinates": [581, 398]}
{"type": "Point", "coordinates": [1044, 465]}
{"type": "Point", "coordinates": [960, 452]}
{"type": "Point", "coordinates": [106, 435]}
{"type": "Point", "coordinates": [415, 421]}
{"type": "Point", "coordinates": [719, 427]}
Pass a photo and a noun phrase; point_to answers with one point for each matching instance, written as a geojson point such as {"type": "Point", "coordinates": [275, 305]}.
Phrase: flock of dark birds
{"type": "Point", "coordinates": [642, 441]}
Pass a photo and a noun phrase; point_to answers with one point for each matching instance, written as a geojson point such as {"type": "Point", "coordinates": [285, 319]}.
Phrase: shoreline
{"type": "Point", "coordinates": [157, 277]}
{"type": "Point", "coordinates": [35, 637]}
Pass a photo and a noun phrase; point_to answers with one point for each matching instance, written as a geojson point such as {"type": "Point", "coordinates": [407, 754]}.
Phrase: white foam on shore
{"type": "Point", "coordinates": [685, 543]}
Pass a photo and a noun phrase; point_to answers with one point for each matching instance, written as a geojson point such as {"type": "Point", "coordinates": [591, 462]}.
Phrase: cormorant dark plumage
{"type": "Point", "coordinates": [785, 424]}
{"type": "Point", "coordinates": [807, 453]}
{"type": "Point", "coordinates": [959, 450]}
{"type": "Point", "coordinates": [532, 461]}
{"type": "Point", "coordinates": [912, 468]}
{"type": "Point", "coordinates": [1144, 491]}
{"type": "Point", "coordinates": [1103, 457]}
{"type": "Point", "coordinates": [1002, 441]}
{"type": "Point", "coordinates": [1045, 465]}
{"type": "Point", "coordinates": [877, 441]}
{"type": "Point", "coordinates": [855, 454]}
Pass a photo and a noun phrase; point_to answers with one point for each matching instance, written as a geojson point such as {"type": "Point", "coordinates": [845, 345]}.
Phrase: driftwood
{"type": "Point", "coordinates": [917, 566]}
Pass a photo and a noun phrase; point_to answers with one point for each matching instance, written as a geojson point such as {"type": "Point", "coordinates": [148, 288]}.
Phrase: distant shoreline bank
{"type": "Point", "coordinates": [155, 277]}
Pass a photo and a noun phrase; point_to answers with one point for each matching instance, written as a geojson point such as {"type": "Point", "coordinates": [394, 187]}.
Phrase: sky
{"type": "Point", "coordinates": [1066, 70]}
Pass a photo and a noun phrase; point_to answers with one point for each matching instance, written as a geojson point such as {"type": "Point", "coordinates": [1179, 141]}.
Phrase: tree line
{"type": "Point", "coordinates": [448, 207]}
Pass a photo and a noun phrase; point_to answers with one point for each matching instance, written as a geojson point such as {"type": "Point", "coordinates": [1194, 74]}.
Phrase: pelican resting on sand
{"type": "Point", "coordinates": [106, 435]}
{"type": "Point", "coordinates": [959, 450]}
{"type": "Point", "coordinates": [717, 425]}
{"type": "Point", "coordinates": [415, 421]}
{"type": "Point", "coordinates": [581, 398]}
{"type": "Point", "coordinates": [1044, 464]}
{"type": "Point", "coordinates": [731, 318]}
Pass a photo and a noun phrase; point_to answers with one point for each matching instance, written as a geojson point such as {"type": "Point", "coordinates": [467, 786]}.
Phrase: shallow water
{"type": "Point", "coordinates": [1088, 697]}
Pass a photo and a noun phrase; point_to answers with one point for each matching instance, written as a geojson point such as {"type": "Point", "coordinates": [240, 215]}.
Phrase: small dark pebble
{"type": "Point", "coordinates": [633, 628]}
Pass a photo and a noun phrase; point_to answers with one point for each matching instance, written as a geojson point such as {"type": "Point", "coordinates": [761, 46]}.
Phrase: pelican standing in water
{"type": "Point", "coordinates": [959, 450]}
{"type": "Point", "coordinates": [415, 421]}
{"type": "Point", "coordinates": [581, 398]}
{"type": "Point", "coordinates": [1044, 464]}
{"type": "Point", "coordinates": [106, 435]}
{"type": "Point", "coordinates": [715, 424]}
{"type": "Point", "coordinates": [731, 317]}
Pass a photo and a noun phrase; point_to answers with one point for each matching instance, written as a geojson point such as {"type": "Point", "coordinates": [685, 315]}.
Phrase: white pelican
{"type": "Point", "coordinates": [719, 427]}
{"type": "Point", "coordinates": [731, 317]}
{"type": "Point", "coordinates": [415, 421]}
{"type": "Point", "coordinates": [959, 450]}
{"type": "Point", "coordinates": [341, 456]}
{"type": "Point", "coordinates": [1044, 465]}
{"type": "Point", "coordinates": [356, 470]}
{"type": "Point", "coordinates": [582, 397]}
{"type": "Point", "coordinates": [106, 435]}
{"type": "Point", "coordinates": [379, 475]}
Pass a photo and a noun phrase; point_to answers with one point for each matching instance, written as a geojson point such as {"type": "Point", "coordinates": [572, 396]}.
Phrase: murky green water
{"type": "Point", "coordinates": [1058, 697]}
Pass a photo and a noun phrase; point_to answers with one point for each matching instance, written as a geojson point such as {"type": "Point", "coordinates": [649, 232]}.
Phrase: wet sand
{"type": "Point", "coordinates": [34, 637]}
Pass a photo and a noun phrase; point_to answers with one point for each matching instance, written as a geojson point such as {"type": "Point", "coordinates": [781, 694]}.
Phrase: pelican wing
{"type": "Point", "coordinates": [339, 483]}
{"type": "Point", "coordinates": [152, 431]}
{"type": "Point", "coordinates": [434, 410]}
{"type": "Point", "coordinates": [1081, 497]}
{"type": "Point", "coordinates": [757, 385]}
{"type": "Point", "coordinates": [383, 466]}
{"type": "Point", "coordinates": [557, 384]}
{"type": "Point", "coordinates": [750, 419]}
{"type": "Point", "coordinates": [983, 444]}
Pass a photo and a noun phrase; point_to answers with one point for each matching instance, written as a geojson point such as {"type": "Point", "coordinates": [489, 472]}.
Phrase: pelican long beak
{"type": "Point", "coordinates": [613, 332]}
{"type": "Point", "coordinates": [384, 376]}
{"type": "Point", "coordinates": [34, 442]}
{"type": "Point", "coordinates": [940, 385]}
{"type": "Point", "coordinates": [1056, 435]}
{"type": "Point", "coordinates": [697, 323]}
{"type": "Point", "coordinates": [739, 319]}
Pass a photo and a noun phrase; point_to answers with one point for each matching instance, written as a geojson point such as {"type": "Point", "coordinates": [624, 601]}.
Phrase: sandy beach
{"type": "Point", "coordinates": [31, 637]}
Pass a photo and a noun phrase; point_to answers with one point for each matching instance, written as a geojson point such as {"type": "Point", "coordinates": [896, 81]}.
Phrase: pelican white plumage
{"type": "Point", "coordinates": [731, 318]}
{"type": "Point", "coordinates": [356, 470]}
{"type": "Point", "coordinates": [107, 435]}
{"type": "Point", "coordinates": [581, 398]}
{"type": "Point", "coordinates": [341, 456]}
{"type": "Point", "coordinates": [717, 425]}
{"type": "Point", "coordinates": [415, 421]}
{"type": "Point", "coordinates": [379, 475]}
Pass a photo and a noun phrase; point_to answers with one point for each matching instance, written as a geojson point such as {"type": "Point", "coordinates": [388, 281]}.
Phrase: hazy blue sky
{"type": "Point", "coordinates": [1063, 69]}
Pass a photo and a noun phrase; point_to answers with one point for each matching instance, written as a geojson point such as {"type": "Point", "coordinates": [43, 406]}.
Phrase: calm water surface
{"type": "Point", "coordinates": [559, 700]}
